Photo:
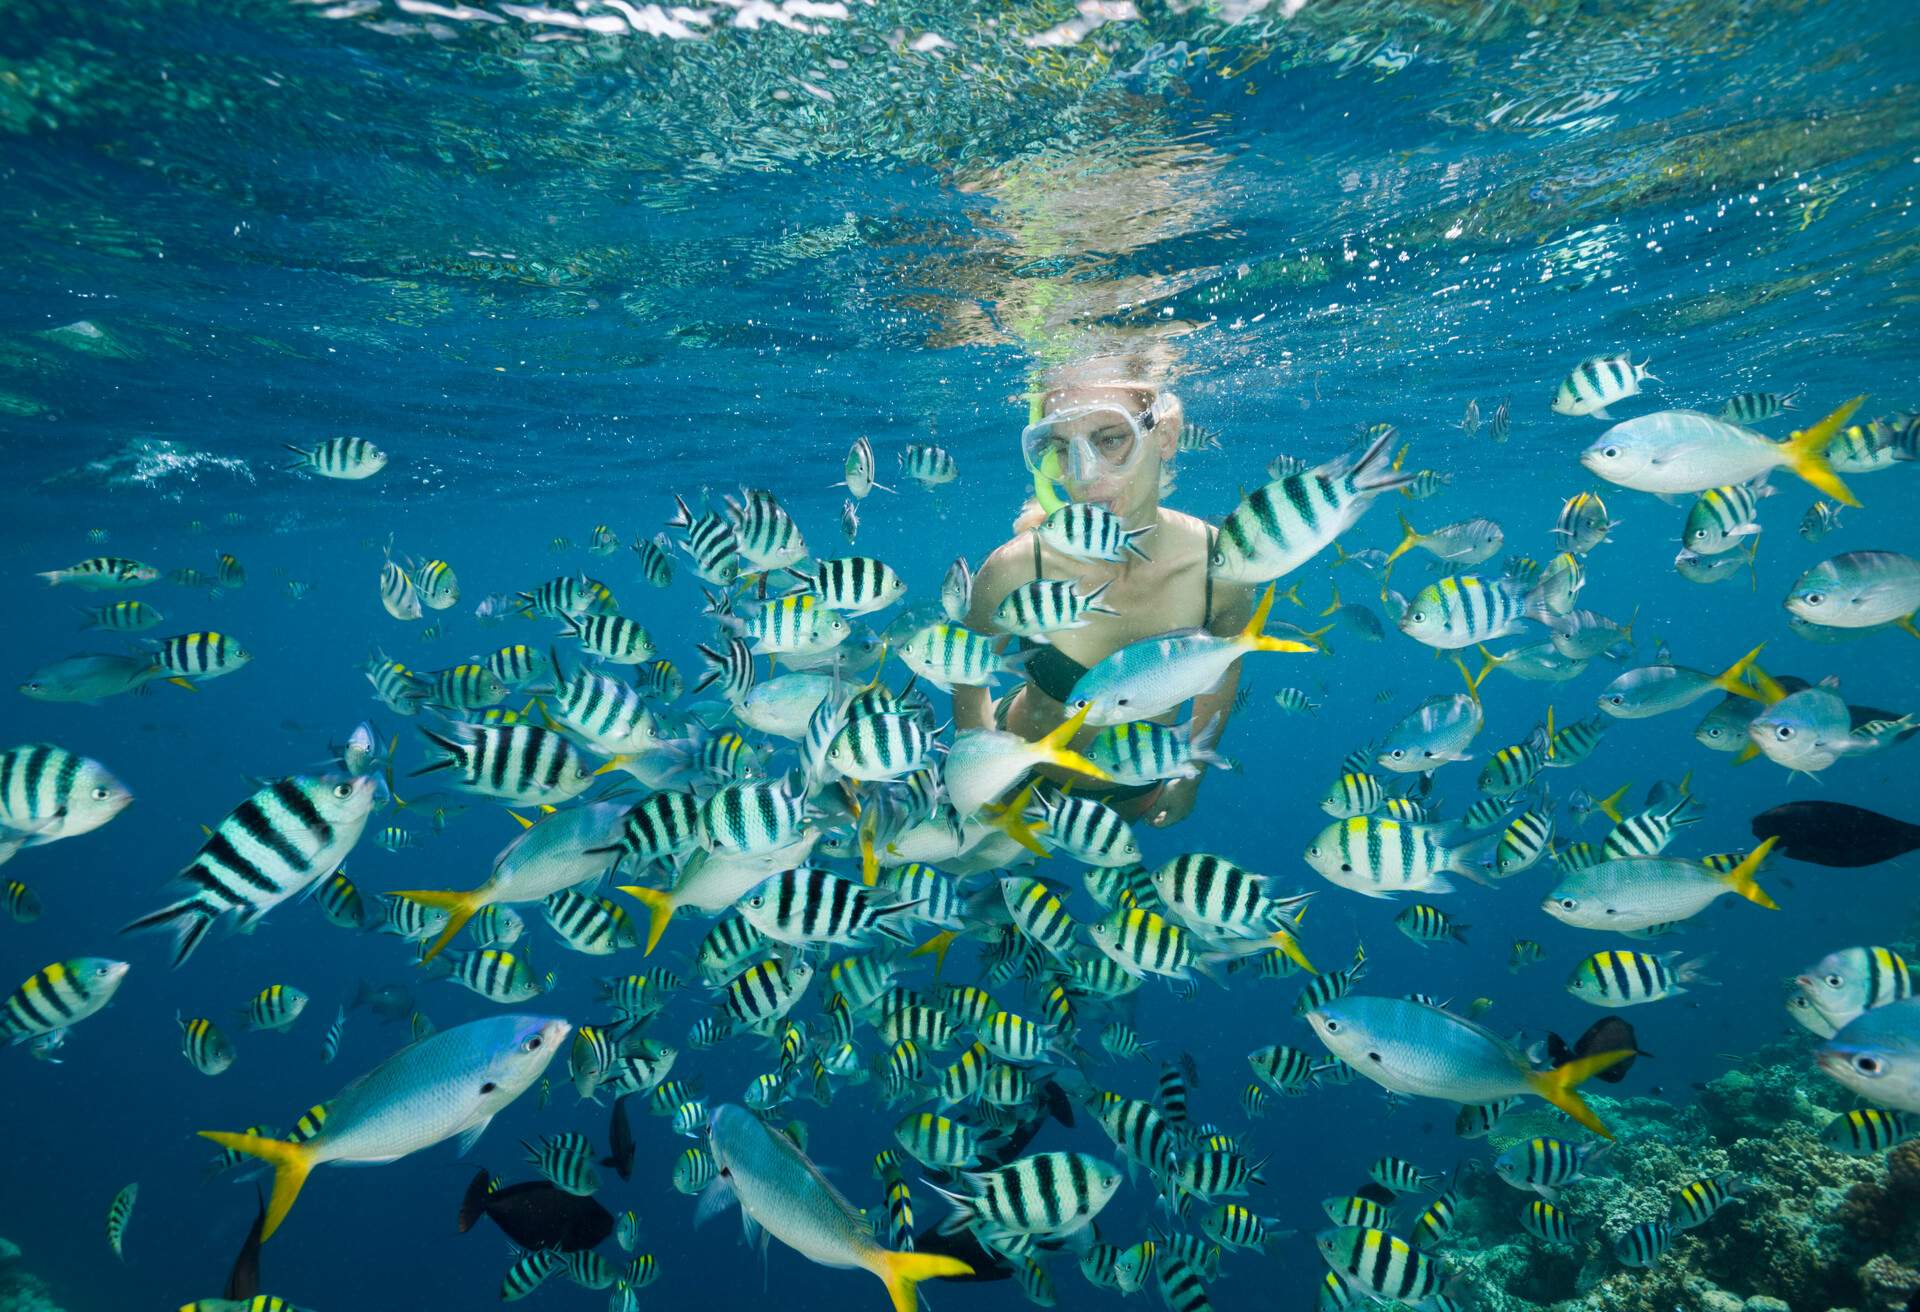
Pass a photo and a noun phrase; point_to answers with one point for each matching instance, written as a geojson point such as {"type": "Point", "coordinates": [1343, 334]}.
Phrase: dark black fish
{"type": "Point", "coordinates": [1608, 1034]}
{"type": "Point", "coordinates": [536, 1214]}
{"type": "Point", "coordinates": [620, 1140]}
{"type": "Point", "coordinates": [987, 1265]}
{"type": "Point", "coordinates": [244, 1280]}
{"type": "Point", "coordinates": [1835, 834]}
{"type": "Point", "coordinates": [390, 1002]}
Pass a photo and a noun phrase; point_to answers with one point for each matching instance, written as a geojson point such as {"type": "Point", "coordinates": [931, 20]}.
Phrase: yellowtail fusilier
{"type": "Point", "coordinates": [1686, 451]}
{"type": "Point", "coordinates": [1656, 689]}
{"type": "Point", "coordinates": [1877, 1056]}
{"type": "Point", "coordinates": [274, 846]}
{"type": "Point", "coordinates": [1151, 676]}
{"type": "Point", "coordinates": [447, 1085]}
{"type": "Point", "coordinates": [1859, 590]}
{"type": "Point", "coordinates": [349, 458]}
{"type": "Point", "coordinates": [1634, 893]}
{"type": "Point", "coordinates": [781, 1192]}
{"type": "Point", "coordinates": [1424, 1052]}
{"type": "Point", "coordinates": [1598, 382]}
{"type": "Point", "coordinates": [562, 850]}
{"type": "Point", "coordinates": [48, 793]}
{"type": "Point", "coordinates": [1465, 543]}
{"type": "Point", "coordinates": [1281, 526]}
{"type": "Point", "coordinates": [985, 763]}
{"type": "Point", "coordinates": [1438, 731]}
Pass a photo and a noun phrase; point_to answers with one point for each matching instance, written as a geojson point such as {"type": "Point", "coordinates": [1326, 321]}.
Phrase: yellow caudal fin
{"type": "Point", "coordinates": [290, 1162]}
{"type": "Point", "coordinates": [1054, 749]}
{"type": "Point", "coordinates": [1255, 640]}
{"type": "Point", "coordinates": [182, 683]}
{"type": "Point", "coordinates": [1333, 602]}
{"type": "Point", "coordinates": [1549, 732]}
{"type": "Point", "coordinates": [938, 947]}
{"type": "Point", "coordinates": [1745, 754]}
{"type": "Point", "coordinates": [1807, 454]}
{"type": "Point", "coordinates": [660, 910]}
{"type": "Point", "coordinates": [460, 908]}
{"type": "Point", "coordinates": [1609, 806]}
{"type": "Point", "coordinates": [1292, 594]}
{"type": "Point", "coordinates": [1740, 878]}
{"type": "Point", "coordinates": [902, 1272]}
{"type": "Point", "coordinates": [1010, 818]}
{"type": "Point", "coordinates": [1489, 662]}
{"type": "Point", "coordinates": [618, 761]}
{"type": "Point", "coordinates": [1409, 540]}
{"type": "Point", "coordinates": [1558, 1086]}
{"type": "Point", "coordinates": [1473, 684]}
{"type": "Point", "coordinates": [1288, 944]}
{"type": "Point", "coordinates": [1729, 680]}
{"type": "Point", "coordinates": [1770, 689]}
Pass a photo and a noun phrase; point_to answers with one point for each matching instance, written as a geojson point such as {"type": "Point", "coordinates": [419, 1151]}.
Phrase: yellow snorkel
{"type": "Point", "coordinates": [1045, 491]}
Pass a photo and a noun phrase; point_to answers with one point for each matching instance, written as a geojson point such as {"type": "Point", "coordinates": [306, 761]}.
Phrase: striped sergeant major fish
{"type": "Point", "coordinates": [1600, 381]}
{"type": "Point", "coordinates": [338, 457]}
{"type": "Point", "coordinates": [1869, 1131]}
{"type": "Point", "coordinates": [58, 996]}
{"type": "Point", "coordinates": [807, 905]}
{"type": "Point", "coordinates": [1047, 1195]}
{"type": "Point", "coordinates": [732, 669]}
{"type": "Point", "coordinates": [274, 846]}
{"type": "Point", "coordinates": [852, 585]}
{"type": "Point", "coordinates": [709, 541]}
{"type": "Point", "coordinates": [397, 593]}
{"type": "Point", "coordinates": [767, 536]}
{"type": "Point", "coordinates": [48, 793]}
{"type": "Point", "coordinates": [523, 764]}
{"type": "Point", "coordinates": [123, 617]}
{"type": "Point", "coordinates": [859, 470]}
{"type": "Point", "coordinates": [927, 464]}
{"type": "Point", "coordinates": [1281, 526]}
{"type": "Point", "coordinates": [1379, 1264]}
{"type": "Point", "coordinates": [781, 1192]}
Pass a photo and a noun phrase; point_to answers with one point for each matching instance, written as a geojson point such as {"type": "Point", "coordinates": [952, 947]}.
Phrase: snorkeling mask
{"type": "Point", "coordinates": [1089, 440]}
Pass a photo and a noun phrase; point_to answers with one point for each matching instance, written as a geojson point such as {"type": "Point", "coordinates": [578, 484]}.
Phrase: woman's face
{"type": "Point", "coordinates": [1124, 481]}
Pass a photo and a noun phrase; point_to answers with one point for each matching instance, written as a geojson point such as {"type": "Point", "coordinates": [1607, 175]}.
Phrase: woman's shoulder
{"type": "Point", "coordinates": [1185, 526]}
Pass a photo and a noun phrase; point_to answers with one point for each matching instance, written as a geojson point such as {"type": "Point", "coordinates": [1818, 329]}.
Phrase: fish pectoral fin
{"type": "Point", "coordinates": [470, 1136]}
{"type": "Point", "coordinates": [716, 1198]}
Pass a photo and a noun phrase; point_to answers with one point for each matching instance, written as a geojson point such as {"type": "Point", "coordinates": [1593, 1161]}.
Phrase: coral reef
{"type": "Point", "coordinates": [1813, 1230]}
{"type": "Point", "coordinates": [20, 1289]}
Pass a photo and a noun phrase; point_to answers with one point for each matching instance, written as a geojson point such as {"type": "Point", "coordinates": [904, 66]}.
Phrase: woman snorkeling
{"type": "Point", "coordinates": [1106, 441]}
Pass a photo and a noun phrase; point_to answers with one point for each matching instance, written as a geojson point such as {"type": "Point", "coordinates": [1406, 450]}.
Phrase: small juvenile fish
{"type": "Point", "coordinates": [928, 465]}
{"type": "Point", "coordinates": [206, 1049]}
{"type": "Point", "coordinates": [123, 617]}
{"type": "Point", "coordinates": [1749, 408]}
{"type": "Point", "coordinates": [119, 1212]}
{"type": "Point", "coordinates": [330, 1043]}
{"type": "Point", "coordinates": [275, 1007]}
{"type": "Point", "coordinates": [348, 458]}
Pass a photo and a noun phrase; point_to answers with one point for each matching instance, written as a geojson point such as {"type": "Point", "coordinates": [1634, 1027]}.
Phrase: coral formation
{"type": "Point", "coordinates": [20, 1289]}
{"type": "Point", "coordinates": [1813, 1230]}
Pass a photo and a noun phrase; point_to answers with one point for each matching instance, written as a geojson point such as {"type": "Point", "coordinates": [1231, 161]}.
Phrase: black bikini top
{"type": "Point", "coordinates": [1054, 672]}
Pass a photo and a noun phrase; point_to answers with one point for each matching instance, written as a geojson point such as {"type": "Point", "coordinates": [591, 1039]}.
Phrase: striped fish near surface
{"type": "Point", "coordinates": [274, 846]}
{"type": "Point", "coordinates": [520, 764]}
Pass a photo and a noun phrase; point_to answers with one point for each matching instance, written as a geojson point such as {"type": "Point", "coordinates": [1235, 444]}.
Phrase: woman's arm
{"type": "Point", "coordinates": [999, 574]}
{"type": "Point", "coordinates": [1232, 608]}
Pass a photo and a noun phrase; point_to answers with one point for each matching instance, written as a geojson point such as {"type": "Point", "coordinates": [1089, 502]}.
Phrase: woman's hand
{"type": "Point", "coordinates": [1174, 802]}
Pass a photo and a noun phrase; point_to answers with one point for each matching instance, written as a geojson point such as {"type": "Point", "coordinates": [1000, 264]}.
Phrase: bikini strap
{"type": "Point", "coordinates": [1206, 619]}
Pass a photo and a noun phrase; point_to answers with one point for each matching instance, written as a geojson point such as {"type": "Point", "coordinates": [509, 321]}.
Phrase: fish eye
{"type": "Point", "coordinates": [1714, 731]}
{"type": "Point", "coordinates": [1611, 453]}
{"type": "Point", "coordinates": [1867, 1064]}
{"type": "Point", "coordinates": [343, 790]}
{"type": "Point", "coordinates": [533, 1043]}
{"type": "Point", "coordinates": [1419, 617]}
{"type": "Point", "coordinates": [1617, 699]}
{"type": "Point", "coordinates": [1568, 903]}
{"type": "Point", "coordinates": [101, 794]}
{"type": "Point", "coordinates": [1783, 732]}
{"type": "Point", "coordinates": [1398, 754]}
{"type": "Point", "coordinates": [1330, 1026]}
{"type": "Point", "coordinates": [103, 971]}
{"type": "Point", "coordinates": [1834, 981]}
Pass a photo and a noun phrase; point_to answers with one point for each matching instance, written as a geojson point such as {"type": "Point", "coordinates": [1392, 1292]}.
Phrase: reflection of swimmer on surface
{"type": "Point", "coordinates": [1104, 439]}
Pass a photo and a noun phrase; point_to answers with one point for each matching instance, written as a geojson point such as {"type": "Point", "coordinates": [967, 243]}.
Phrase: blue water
{"type": "Point", "coordinates": [561, 275]}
